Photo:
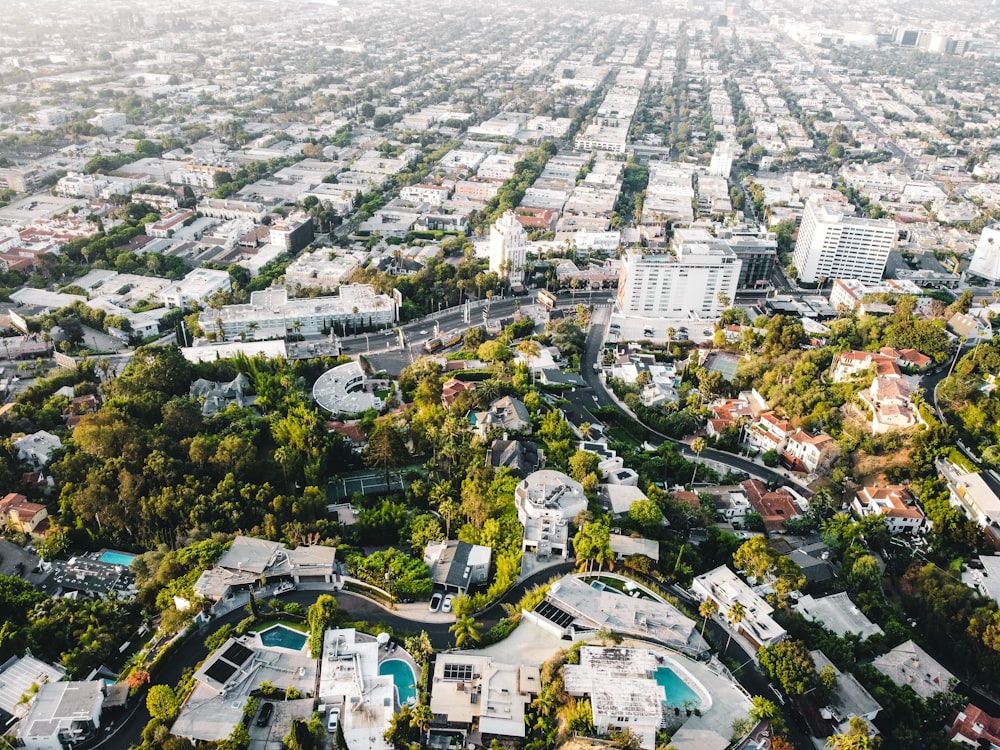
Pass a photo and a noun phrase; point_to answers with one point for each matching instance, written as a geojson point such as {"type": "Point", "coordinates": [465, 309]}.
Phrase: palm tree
{"type": "Point", "coordinates": [735, 616]}
{"type": "Point", "coordinates": [707, 609]}
{"type": "Point", "coordinates": [465, 628]}
{"type": "Point", "coordinates": [421, 718]}
{"type": "Point", "coordinates": [697, 446]}
{"type": "Point", "coordinates": [586, 430]}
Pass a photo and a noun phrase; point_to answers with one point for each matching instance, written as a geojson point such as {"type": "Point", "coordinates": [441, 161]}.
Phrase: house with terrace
{"type": "Point", "coordinates": [250, 562]}
{"type": "Point", "coordinates": [848, 700]}
{"type": "Point", "coordinates": [889, 404]}
{"type": "Point", "coordinates": [775, 507]}
{"type": "Point", "coordinates": [810, 453]}
{"type": "Point", "coordinates": [546, 502]}
{"type": "Point", "coordinates": [895, 504]}
{"type": "Point", "coordinates": [769, 433]}
{"type": "Point", "coordinates": [726, 589]}
{"type": "Point", "coordinates": [573, 606]}
{"type": "Point", "coordinates": [481, 696]}
{"type": "Point", "coordinates": [62, 715]}
{"type": "Point", "coordinates": [850, 365]}
{"type": "Point", "coordinates": [622, 690]}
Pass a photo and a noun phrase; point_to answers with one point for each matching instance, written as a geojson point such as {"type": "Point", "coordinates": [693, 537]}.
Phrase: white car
{"type": "Point", "coordinates": [435, 603]}
{"type": "Point", "coordinates": [446, 604]}
{"type": "Point", "coordinates": [333, 720]}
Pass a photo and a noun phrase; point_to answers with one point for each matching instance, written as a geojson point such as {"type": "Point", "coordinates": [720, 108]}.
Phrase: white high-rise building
{"type": "Point", "coordinates": [722, 159]}
{"type": "Point", "coordinates": [985, 261]}
{"type": "Point", "coordinates": [692, 279]}
{"type": "Point", "coordinates": [833, 243]}
{"type": "Point", "coordinates": [508, 248]}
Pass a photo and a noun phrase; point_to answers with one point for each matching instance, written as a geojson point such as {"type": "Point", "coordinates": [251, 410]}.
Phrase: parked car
{"type": "Point", "coordinates": [264, 717]}
{"type": "Point", "coordinates": [435, 604]}
{"type": "Point", "coordinates": [446, 604]}
{"type": "Point", "coordinates": [333, 720]}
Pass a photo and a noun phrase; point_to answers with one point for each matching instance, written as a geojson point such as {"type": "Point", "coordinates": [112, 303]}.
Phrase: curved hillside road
{"type": "Point", "coordinates": [354, 606]}
{"type": "Point", "coordinates": [595, 344]}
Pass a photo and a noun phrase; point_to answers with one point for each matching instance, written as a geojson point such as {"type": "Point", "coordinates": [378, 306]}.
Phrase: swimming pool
{"type": "Point", "coordinates": [116, 558]}
{"type": "Point", "coordinates": [402, 675]}
{"type": "Point", "coordinates": [679, 693]}
{"type": "Point", "coordinates": [281, 637]}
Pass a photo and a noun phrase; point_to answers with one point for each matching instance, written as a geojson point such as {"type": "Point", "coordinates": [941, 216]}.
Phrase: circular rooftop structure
{"type": "Point", "coordinates": [341, 390]}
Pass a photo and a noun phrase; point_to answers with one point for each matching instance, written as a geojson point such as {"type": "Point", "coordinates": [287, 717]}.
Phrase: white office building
{"type": "Point", "coordinates": [195, 289]}
{"type": "Point", "coordinates": [834, 244]}
{"type": "Point", "coordinates": [691, 280]}
{"type": "Point", "coordinates": [508, 248]}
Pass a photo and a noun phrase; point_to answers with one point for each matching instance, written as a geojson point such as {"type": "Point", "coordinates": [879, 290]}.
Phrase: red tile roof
{"type": "Point", "coordinates": [774, 507]}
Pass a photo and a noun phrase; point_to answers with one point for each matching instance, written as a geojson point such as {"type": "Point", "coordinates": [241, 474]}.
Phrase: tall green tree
{"type": "Point", "coordinates": [320, 616]}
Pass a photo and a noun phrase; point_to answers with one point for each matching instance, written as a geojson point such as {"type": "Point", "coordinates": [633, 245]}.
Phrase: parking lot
{"type": "Point", "coordinates": [655, 329]}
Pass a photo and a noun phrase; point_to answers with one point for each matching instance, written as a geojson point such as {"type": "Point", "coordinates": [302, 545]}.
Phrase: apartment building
{"type": "Point", "coordinates": [834, 244]}
{"type": "Point", "coordinates": [692, 280]}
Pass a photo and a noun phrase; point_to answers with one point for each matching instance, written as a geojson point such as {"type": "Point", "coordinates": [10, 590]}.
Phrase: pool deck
{"type": "Point", "coordinates": [723, 697]}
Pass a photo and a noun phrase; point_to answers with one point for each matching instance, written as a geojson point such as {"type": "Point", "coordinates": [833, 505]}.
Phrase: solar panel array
{"type": "Point", "coordinates": [554, 614]}
{"type": "Point", "coordinates": [221, 671]}
{"type": "Point", "coordinates": [237, 654]}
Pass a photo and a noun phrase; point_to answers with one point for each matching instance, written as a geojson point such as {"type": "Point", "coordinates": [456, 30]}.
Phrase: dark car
{"type": "Point", "coordinates": [265, 714]}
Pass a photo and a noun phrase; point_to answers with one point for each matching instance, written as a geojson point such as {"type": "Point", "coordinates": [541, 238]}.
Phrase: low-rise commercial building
{"type": "Point", "coordinates": [271, 314]}
{"type": "Point", "coordinates": [195, 289]}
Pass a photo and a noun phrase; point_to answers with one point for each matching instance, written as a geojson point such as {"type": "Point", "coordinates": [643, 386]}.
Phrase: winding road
{"type": "Point", "coordinates": [601, 398]}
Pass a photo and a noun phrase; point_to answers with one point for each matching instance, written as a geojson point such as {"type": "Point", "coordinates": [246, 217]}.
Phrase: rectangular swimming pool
{"type": "Point", "coordinates": [281, 637]}
{"type": "Point", "coordinates": [112, 557]}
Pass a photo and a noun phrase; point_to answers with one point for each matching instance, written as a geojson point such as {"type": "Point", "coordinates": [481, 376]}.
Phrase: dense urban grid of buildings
{"type": "Point", "coordinates": [442, 374]}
